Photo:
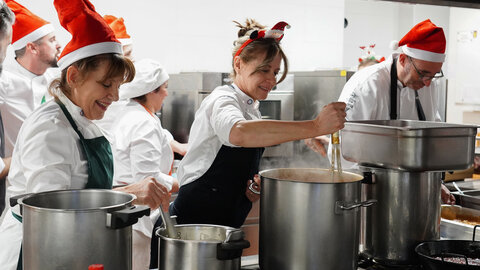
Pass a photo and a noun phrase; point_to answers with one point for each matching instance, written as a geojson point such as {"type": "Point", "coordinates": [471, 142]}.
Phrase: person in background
{"type": "Point", "coordinates": [58, 146]}
{"type": "Point", "coordinates": [7, 18]}
{"type": "Point", "coordinates": [24, 86]}
{"type": "Point", "coordinates": [120, 30]}
{"type": "Point", "coordinates": [409, 76]}
{"type": "Point", "coordinates": [118, 27]}
{"type": "Point", "coordinates": [368, 58]}
{"type": "Point", "coordinates": [366, 63]}
{"type": "Point", "coordinates": [140, 146]}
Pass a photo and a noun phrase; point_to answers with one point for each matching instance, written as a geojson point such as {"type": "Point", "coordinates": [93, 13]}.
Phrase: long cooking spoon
{"type": "Point", "coordinates": [167, 220]}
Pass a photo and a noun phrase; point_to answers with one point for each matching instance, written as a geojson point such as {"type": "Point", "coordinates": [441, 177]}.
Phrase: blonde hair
{"type": "Point", "coordinates": [259, 46]}
{"type": "Point", "coordinates": [118, 65]}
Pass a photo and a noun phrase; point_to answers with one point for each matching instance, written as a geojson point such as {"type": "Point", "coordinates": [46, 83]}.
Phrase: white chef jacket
{"type": "Point", "coordinates": [140, 149]}
{"type": "Point", "coordinates": [47, 156]}
{"type": "Point", "coordinates": [367, 95]}
{"type": "Point", "coordinates": [21, 92]}
{"type": "Point", "coordinates": [113, 112]}
{"type": "Point", "coordinates": [211, 128]}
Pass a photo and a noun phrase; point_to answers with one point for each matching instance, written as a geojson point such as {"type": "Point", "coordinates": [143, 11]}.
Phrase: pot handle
{"type": "Point", "coordinates": [14, 199]}
{"type": "Point", "coordinates": [341, 206]}
{"type": "Point", "coordinates": [126, 217]}
{"type": "Point", "coordinates": [231, 250]}
{"type": "Point", "coordinates": [252, 189]}
{"type": "Point", "coordinates": [475, 230]}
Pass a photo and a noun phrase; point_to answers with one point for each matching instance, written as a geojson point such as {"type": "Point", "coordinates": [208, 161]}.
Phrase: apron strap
{"type": "Point", "coordinates": [393, 90]}
{"type": "Point", "coordinates": [70, 119]}
{"type": "Point", "coordinates": [19, 263]}
{"type": "Point", "coordinates": [421, 114]}
{"type": "Point", "coordinates": [98, 154]}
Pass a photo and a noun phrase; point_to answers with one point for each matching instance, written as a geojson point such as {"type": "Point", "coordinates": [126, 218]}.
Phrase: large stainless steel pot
{"type": "Point", "coordinates": [72, 229]}
{"type": "Point", "coordinates": [309, 220]}
{"type": "Point", "coordinates": [407, 213]}
{"type": "Point", "coordinates": [201, 247]}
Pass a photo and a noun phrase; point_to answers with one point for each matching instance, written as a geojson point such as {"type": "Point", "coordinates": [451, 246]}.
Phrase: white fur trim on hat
{"type": "Point", "coordinates": [424, 55]}
{"type": "Point", "coordinates": [89, 50]}
{"type": "Point", "coordinates": [125, 41]}
{"type": "Point", "coordinates": [149, 75]}
{"type": "Point", "coordinates": [33, 36]}
{"type": "Point", "coordinates": [394, 45]}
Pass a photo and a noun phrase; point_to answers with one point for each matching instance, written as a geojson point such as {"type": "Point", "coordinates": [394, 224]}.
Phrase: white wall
{"type": "Point", "coordinates": [378, 22]}
{"type": "Point", "coordinates": [187, 35]}
{"type": "Point", "coordinates": [461, 19]}
{"type": "Point", "coordinates": [197, 35]}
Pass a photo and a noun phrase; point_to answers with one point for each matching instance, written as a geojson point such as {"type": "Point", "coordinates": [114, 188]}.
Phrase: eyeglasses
{"type": "Point", "coordinates": [424, 77]}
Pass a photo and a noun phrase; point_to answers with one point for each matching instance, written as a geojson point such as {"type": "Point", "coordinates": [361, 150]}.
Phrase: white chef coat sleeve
{"type": "Point", "coordinates": [361, 101]}
{"type": "Point", "coordinates": [146, 154]}
{"type": "Point", "coordinates": [45, 153]}
{"type": "Point", "coordinates": [225, 113]}
{"type": "Point", "coordinates": [168, 134]}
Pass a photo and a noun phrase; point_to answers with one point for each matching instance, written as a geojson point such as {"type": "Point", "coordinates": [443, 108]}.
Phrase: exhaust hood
{"type": "Point", "coordinates": [450, 3]}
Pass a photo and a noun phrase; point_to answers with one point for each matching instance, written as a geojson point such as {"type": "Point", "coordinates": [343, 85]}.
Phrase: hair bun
{"type": "Point", "coordinates": [250, 25]}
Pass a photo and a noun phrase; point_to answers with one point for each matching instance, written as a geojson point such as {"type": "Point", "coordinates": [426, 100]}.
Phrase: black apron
{"type": "Point", "coordinates": [393, 95]}
{"type": "Point", "coordinates": [99, 161]}
{"type": "Point", "coordinates": [218, 196]}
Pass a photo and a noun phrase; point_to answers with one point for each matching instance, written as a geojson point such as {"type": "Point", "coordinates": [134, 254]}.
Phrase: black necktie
{"type": "Point", "coordinates": [421, 114]}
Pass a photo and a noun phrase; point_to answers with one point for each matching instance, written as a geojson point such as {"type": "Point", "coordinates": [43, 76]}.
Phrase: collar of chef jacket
{"type": "Point", "coordinates": [88, 129]}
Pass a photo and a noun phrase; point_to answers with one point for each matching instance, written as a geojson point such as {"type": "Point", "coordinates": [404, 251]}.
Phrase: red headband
{"type": "Point", "coordinates": [276, 32]}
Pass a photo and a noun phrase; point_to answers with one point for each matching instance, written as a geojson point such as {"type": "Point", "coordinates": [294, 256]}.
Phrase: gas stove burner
{"type": "Point", "coordinates": [370, 264]}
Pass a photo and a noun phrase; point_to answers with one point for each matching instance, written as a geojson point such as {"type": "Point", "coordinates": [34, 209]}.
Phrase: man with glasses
{"type": "Point", "coordinates": [405, 86]}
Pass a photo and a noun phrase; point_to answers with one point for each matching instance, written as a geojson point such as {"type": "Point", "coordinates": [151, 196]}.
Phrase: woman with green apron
{"type": "Point", "coordinates": [58, 146]}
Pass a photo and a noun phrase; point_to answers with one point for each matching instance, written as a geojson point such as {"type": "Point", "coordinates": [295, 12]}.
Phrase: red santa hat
{"type": "Point", "coordinates": [91, 35]}
{"type": "Point", "coordinates": [28, 27]}
{"type": "Point", "coordinates": [425, 41]}
{"type": "Point", "coordinates": [118, 27]}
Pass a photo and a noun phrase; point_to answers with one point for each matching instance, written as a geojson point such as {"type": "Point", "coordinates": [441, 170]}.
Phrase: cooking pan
{"type": "Point", "coordinates": [436, 254]}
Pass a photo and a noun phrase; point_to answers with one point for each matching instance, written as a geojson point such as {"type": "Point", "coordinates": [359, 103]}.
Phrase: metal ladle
{"type": "Point", "coordinates": [169, 223]}
{"type": "Point", "coordinates": [336, 166]}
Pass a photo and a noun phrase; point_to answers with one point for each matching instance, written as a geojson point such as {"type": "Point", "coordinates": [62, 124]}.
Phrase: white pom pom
{"type": "Point", "coordinates": [394, 45]}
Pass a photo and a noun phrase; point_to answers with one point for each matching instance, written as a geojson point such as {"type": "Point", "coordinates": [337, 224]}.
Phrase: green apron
{"type": "Point", "coordinates": [99, 157]}
{"type": "Point", "coordinates": [99, 161]}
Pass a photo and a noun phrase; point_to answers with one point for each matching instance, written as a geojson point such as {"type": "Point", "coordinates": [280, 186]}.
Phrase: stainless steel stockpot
{"type": "Point", "coordinates": [407, 213]}
{"type": "Point", "coordinates": [72, 229]}
{"type": "Point", "coordinates": [201, 247]}
{"type": "Point", "coordinates": [309, 219]}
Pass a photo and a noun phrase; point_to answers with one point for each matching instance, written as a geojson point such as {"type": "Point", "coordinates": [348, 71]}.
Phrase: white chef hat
{"type": "Point", "coordinates": [149, 75]}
